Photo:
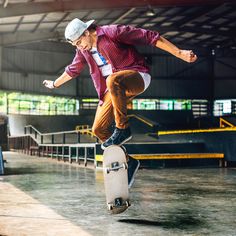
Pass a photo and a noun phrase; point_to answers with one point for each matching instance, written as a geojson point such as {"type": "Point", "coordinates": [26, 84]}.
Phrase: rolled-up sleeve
{"type": "Point", "coordinates": [135, 36]}
{"type": "Point", "coordinates": [77, 65]}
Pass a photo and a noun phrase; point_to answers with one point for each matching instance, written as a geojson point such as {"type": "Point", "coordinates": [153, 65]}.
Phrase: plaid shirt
{"type": "Point", "coordinates": [116, 43]}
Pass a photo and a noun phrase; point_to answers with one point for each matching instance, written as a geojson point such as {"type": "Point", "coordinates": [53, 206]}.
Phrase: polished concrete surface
{"type": "Point", "coordinates": [21, 215]}
{"type": "Point", "coordinates": [181, 201]}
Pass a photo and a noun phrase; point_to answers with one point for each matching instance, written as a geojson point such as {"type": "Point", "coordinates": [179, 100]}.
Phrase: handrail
{"type": "Point", "coordinates": [82, 127]}
{"type": "Point", "coordinates": [30, 126]}
{"type": "Point", "coordinates": [87, 131]}
{"type": "Point", "coordinates": [142, 119]}
{"type": "Point", "coordinates": [224, 122]}
{"type": "Point", "coordinates": [38, 134]}
{"type": "Point", "coordinates": [196, 131]}
{"type": "Point", "coordinates": [60, 132]}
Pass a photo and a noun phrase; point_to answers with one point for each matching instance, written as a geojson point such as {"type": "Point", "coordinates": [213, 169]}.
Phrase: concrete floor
{"type": "Point", "coordinates": [164, 201]}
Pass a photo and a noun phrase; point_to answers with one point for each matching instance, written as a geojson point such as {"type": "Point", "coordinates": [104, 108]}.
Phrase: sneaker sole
{"type": "Point", "coordinates": [132, 180]}
{"type": "Point", "coordinates": [126, 140]}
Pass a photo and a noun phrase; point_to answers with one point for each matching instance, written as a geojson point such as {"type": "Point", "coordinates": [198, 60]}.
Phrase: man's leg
{"type": "Point", "coordinates": [133, 166]}
{"type": "Point", "coordinates": [103, 119]}
{"type": "Point", "coordinates": [122, 85]}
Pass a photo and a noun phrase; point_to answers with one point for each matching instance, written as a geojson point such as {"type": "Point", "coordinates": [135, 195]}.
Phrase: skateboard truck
{"type": "Point", "coordinates": [118, 203]}
{"type": "Point", "coordinates": [115, 166]}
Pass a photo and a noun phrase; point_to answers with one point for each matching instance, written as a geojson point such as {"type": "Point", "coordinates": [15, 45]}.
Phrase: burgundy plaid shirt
{"type": "Point", "coordinates": [116, 43]}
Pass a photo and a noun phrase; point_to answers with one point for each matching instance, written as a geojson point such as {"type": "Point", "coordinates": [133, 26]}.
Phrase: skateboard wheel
{"type": "Point", "coordinates": [125, 166]}
{"type": "Point", "coordinates": [124, 149]}
{"type": "Point", "coordinates": [128, 203]}
{"type": "Point", "coordinates": [110, 207]}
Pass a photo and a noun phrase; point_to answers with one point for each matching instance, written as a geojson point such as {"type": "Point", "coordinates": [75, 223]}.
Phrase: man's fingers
{"type": "Point", "coordinates": [49, 84]}
{"type": "Point", "coordinates": [188, 56]}
{"type": "Point", "coordinates": [192, 54]}
{"type": "Point", "coordinates": [193, 57]}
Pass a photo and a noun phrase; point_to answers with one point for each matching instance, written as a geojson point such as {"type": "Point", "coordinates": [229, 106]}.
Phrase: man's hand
{"type": "Point", "coordinates": [49, 84]}
{"type": "Point", "coordinates": [187, 55]}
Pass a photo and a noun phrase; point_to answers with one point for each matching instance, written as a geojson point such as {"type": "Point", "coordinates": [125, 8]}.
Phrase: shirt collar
{"type": "Point", "coordinates": [99, 31]}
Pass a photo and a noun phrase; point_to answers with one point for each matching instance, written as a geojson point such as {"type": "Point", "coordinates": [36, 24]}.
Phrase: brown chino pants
{"type": "Point", "coordinates": [122, 86]}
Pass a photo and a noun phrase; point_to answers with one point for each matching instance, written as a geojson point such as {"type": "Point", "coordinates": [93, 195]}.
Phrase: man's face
{"type": "Point", "coordinates": [84, 42]}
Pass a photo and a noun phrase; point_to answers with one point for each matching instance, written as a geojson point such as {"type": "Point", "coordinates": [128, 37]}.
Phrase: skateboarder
{"type": "Point", "coordinates": [118, 71]}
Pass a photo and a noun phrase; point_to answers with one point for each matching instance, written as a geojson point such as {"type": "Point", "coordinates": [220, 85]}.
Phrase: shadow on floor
{"type": "Point", "coordinates": [185, 221]}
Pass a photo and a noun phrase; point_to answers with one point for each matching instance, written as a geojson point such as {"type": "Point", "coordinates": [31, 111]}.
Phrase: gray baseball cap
{"type": "Point", "coordinates": [76, 28]}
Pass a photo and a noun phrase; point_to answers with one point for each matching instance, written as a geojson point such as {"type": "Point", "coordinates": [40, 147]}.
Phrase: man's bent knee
{"type": "Point", "coordinates": [112, 81]}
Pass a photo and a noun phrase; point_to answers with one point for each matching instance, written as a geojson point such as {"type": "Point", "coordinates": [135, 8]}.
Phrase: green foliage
{"type": "Point", "coordinates": [160, 104]}
{"type": "Point", "coordinates": [21, 103]}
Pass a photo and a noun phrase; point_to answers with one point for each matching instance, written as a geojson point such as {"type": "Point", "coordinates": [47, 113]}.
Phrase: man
{"type": "Point", "coordinates": [118, 71]}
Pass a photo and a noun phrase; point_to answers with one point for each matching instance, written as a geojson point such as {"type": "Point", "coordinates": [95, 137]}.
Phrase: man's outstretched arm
{"type": "Point", "coordinates": [58, 82]}
{"type": "Point", "coordinates": [185, 55]}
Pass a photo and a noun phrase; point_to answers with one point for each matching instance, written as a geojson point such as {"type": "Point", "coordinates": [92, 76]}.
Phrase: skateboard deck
{"type": "Point", "coordinates": [116, 179]}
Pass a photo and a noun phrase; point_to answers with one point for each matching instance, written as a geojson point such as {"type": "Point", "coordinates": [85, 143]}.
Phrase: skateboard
{"type": "Point", "coordinates": [116, 179]}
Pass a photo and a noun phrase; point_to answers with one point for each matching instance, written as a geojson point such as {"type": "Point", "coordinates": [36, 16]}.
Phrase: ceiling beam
{"type": "Point", "coordinates": [59, 21]}
{"type": "Point", "coordinates": [18, 24]}
{"type": "Point", "coordinates": [39, 22]}
{"type": "Point", "coordinates": [20, 9]}
{"type": "Point", "coordinates": [188, 29]}
{"type": "Point", "coordinates": [5, 3]}
{"type": "Point", "coordinates": [27, 37]}
{"type": "Point", "coordinates": [197, 14]}
{"type": "Point", "coordinates": [123, 15]}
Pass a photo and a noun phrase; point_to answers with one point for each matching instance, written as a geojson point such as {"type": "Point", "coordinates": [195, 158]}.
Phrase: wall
{"type": "Point", "coordinates": [47, 124]}
{"type": "Point", "coordinates": [25, 67]}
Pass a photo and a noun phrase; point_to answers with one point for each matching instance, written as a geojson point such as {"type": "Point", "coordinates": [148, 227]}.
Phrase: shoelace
{"type": "Point", "coordinates": [115, 134]}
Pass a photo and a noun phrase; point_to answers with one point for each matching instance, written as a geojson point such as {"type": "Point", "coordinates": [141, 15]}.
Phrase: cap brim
{"type": "Point", "coordinates": [90, 22]}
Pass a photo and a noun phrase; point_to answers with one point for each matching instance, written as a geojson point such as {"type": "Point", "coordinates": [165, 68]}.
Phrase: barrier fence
{"type": "Point", "coordinates": [1, 162]}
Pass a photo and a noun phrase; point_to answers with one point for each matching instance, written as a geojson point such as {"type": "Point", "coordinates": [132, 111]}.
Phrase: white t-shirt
{"type": "Point", "coordinates": [146, 79]}
{"type": "Point", "coordinates": [106, 68]}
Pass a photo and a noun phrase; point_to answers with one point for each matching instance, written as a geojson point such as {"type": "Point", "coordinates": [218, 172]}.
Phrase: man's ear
{"type": "Point", "coordinates": [86, 33]}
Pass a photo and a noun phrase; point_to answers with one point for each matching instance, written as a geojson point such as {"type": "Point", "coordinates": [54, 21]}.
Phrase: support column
{"type": "Point", "coordinates": [0, 64]}
{"type": "Point", "coordinates": [212, 83]}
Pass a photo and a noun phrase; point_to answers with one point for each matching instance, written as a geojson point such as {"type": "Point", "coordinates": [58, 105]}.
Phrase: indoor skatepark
{"type": "Point", "coordinates": [44, 197]}
{"type": "Point", "coordinates": [183, 126]}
